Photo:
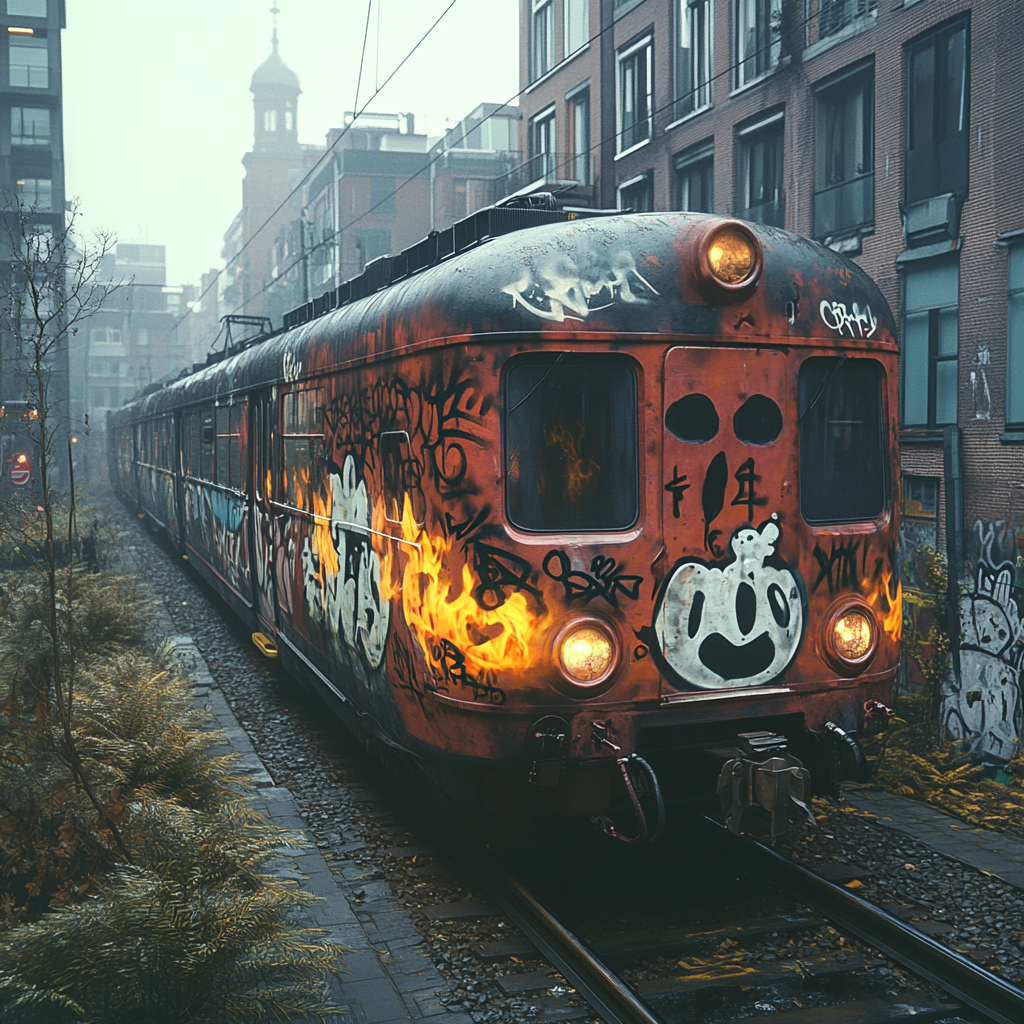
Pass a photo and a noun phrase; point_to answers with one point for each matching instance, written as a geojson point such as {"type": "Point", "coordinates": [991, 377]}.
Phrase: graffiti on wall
{"type": "Point", "coordinates": [984, 707]}
{"type": "Point", "coordinates": [732, 625]}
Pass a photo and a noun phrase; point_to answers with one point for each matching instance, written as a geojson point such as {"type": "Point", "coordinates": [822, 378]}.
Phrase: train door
{"type": "Point", "coordinates": [262, 413]}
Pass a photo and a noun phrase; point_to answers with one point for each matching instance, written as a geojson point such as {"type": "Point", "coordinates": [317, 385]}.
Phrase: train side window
{"type": "Point", "coordinates": [843, 471]}
{"type": "Point", "coordinates": [238, 446]}
{"type": "Point", "coordinates": [206, 446]}
{"type": "Point", "coordinates": [571, 459]}
{"type": "Point", "coordinates": [222, 460]}
{"type": "Point", "coordinates": [302, 420]}
{"type": "Point", "coordinates": [195, 433]}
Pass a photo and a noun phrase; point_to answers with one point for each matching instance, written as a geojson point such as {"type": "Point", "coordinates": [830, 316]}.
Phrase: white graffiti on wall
{"type": "Point", "coordinates": [733, 627]}
{"type": "Point", "coordinates": [859, 321]}
{"type": "Point", "coordinates": [979, 385]}
{"type": "Point", "coordinates": [558, 290]}
{"type": "Point", "coordinates": [342, 588]}
{"type": "Point", "coordinates": [985, 707]}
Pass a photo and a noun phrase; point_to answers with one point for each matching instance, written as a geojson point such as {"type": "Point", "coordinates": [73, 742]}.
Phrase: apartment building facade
{"type": "Point", "coordinates": [890, 131]}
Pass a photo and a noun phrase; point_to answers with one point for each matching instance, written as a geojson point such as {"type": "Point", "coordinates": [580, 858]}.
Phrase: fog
{"type": "Point", "coordinates": [158, 113]}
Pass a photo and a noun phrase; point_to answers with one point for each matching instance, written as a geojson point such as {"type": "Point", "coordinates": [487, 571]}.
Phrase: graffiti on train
{"type": "Point", "coordinates": [858, 321]}
{"type": "Point", "coordinates": [341, 573]}
{"type": "Point", "coordinates": [732, 625]}
{"type": "Point", "coordinates": [566, 288]}
{"type": "Point", "coordinates": [216, 523]}
{"type": "Point", "coordinates": [984, 707]}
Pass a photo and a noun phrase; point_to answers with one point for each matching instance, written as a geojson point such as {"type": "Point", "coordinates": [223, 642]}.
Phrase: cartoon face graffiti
{"type": "Point", "coordinates": [736, 626]}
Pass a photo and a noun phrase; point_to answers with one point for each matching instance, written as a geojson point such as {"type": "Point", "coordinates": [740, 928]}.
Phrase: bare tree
{"type": "Point", "coordinates": [54, 284]}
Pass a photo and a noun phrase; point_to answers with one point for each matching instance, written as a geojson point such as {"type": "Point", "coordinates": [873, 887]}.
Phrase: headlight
{"type": "Point", "coordinates": [731, 259]}
{"type": "Point", "coordinates": [585, 652]}
{"type": "Point", "coordinates": [850, 636]}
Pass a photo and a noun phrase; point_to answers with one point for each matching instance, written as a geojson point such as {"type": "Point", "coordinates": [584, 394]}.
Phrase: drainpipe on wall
{"type": "Point", "coordinates": [953, 483]}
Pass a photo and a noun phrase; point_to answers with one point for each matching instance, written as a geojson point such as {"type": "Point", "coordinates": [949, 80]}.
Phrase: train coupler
{"type": "Point", "coordinates": [640, 782]}
{"type": "Point", "coordinates": [764, 775]}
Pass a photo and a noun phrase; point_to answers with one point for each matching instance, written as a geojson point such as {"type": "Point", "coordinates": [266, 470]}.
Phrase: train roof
{"type": "Point", "coordinates": [592, 278]}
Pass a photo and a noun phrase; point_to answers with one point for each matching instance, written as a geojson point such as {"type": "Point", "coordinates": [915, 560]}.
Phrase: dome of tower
{"type": "Point", "coordinates": [273, 73]}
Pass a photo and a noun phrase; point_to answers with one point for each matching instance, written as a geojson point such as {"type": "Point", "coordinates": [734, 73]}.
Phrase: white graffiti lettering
{"type": "Point", "coordinates": [559, 290]}
{"type": "Point", "coordinates": [342, 584]}
{"type": "Point", "coordinates": [291, 367]}
{"type": "Point", "coordinates": [860, 322]}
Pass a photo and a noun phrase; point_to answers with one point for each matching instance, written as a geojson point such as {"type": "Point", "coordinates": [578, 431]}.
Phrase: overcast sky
{"type": "Point", "coordinates": [158, 113]}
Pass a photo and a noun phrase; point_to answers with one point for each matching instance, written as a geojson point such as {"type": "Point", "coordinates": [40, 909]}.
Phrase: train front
{"type": "Point", "coordinates": [663, 537]}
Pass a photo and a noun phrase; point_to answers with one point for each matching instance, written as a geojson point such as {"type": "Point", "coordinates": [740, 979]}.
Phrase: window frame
{"type": "Point", "coordinates": [694, 159]}
{"type": "Point", "coordinates": [1014, 345]}
{"type": "Point", "coordinates": [820, 11]}
{"type": "Point", "coordinates": [28, 44]}
{"type": "Point", "coordinates": [544, 9]}
{"type": "Point", "coordinates": [933, 355]}
{"type": "Point", "coordinates": [285, 435]}
{"type": "Point", "coordinates": [568, 48]}
{"type": "Point", "coordinates": [827, 92]}
{"type": "Point", "coordinates": [631, 52]}
{"type": "Point", "coordinates": [646, 179]}
{"type": "Point", "coordinates": [935, 151]}
{"type": "Point", "coordinates": [581, 161]}
{"type": "Point", "coordinates": [699, 73]}
{"type": "Point", "coordinates": [748, 136]}
{"type": "Point", "coordinates": [544, 159]}
{"type": "Point", "coordinates": [773, 46]}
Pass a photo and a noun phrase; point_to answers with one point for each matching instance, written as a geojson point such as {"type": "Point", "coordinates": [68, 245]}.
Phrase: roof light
{"type": "Point", "coordinates": [18, 31]}
{"type": "Point", "coordinates": [730, 260]}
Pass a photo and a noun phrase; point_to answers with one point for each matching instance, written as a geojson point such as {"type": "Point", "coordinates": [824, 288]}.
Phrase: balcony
{"type": "Point", "coordinates": [844, 207]}
{"type": "Point", "coordinates": [544, 169]}
{"type": "Point", "coordinates": [839, 17]}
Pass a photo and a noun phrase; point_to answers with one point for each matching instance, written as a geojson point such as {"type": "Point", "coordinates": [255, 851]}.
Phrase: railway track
{"type": "Point", "coordinates": [595, 969]}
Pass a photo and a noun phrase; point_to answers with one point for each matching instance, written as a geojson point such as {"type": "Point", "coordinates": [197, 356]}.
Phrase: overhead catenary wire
{"type": "Point", "coordinates": [728, 70]}
{"type": "Point", "coordinates": [308, 175]}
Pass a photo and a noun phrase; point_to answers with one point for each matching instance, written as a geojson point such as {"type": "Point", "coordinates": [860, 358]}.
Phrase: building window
{"type": "Point", "coordinates": [695, 179]}
{"type": "Point", "coordinates": [937, 114]}
{"type": "Point", "coordinates": [844, 171]}
{"type": "Point", "coordinates": [758, 38]}
{"type": "Point", "coordinates": [478, 194]}
{"type": "Point", "coordinates": [828, 18]}
{"type": "Point", "coordinates": [930, 344]}
{"type": "Point", "coordinates": [637, 194]}
{"type": "Point", "coordinates": [30, 62]}
{"type": "Point", "coordinates": [759, 171]}
{"type": "Point", "coordinates": [577, 25]}
{"type": "Point", "coordinates": [1015, 338]}
{"type": "Point", "coordinates": [289, 120]}
{"type": "Point", "coordinates": [270, 120]}
{"type": "Point", "coordinates": [371, 243]}
{"type": "Point", "coordinates": [26, 8]}
{"type": "Point", "coordinates": [919, 496]}
{"type": "Point", "coordinates": [30, 126]}
{"type": "Point", "coordinates": [382, 196]}
{"type": "Point", "coordinates": [106, 341]}
{"type": "Point", "coordinates": [694, 25]}
{"type": "Point", "coordinates": [635, 91]}
{"type": "Point", "coordinates": [542, 38]}
{"type": "Point", "coordinates": [142, 337]}
{"type": "Point", "coordinates": [542, 146]}
{"type": "Point", "coordinates": [579, 108]}
{"type": "Point", "coordinates": [35, 194]}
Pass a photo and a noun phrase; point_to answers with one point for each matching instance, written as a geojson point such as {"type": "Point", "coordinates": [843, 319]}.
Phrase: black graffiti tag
{"type": "Point", "coordinates": [839, 567]}
{"type": "Point", "coordinates": [712, 500]}
{"type": "Point", "coordinates": [675, 487]}
{"type": "Point", "coordinates": [605, 578]}
{"type": "Point", "coordinates": [745, 493]}
{"type": "Point", "coordinates": [453, 665]}
{"type": "Point", "coordinates": [497, 569]}
{"type": "Point", "coordinates": [405, 677]}
{"type": "Point", "coordinates": [459, 531]}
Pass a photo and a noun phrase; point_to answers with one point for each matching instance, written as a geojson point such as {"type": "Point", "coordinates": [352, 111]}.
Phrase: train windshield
{"type": "Point", "coordinates": [571, 443]}
{"type": "Point", "coordinates": [842, 454]}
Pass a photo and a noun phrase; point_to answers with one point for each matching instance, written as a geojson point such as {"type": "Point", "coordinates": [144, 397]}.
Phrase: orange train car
{"type": "Point", "coordinates": [572, 511]}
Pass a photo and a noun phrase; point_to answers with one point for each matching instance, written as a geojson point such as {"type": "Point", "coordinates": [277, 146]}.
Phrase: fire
{"type": "Point", "coordinates": [892, 620]}
{"type": "Point", "coordinates": [581, 472]}
{"type": "Point", "coordinates": [439, 606]}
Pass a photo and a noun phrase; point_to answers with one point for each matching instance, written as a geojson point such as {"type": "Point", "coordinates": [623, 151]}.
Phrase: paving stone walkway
{"type": "Point", "coordinates": [387, 976]}
{"type": "Point", "coordinates": [998, 854]}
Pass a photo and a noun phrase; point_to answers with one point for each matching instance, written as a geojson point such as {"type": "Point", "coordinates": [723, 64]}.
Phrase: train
{"type": "Point", "coordinates": [585, 515]}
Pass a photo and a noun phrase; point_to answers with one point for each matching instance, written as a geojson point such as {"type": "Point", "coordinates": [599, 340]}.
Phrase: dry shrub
{"type": "Point", "coordinates": [196, 932]}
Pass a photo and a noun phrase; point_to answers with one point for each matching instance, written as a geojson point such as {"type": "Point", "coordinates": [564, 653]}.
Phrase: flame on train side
{"type": "Point", "coordinates": [439, 605]}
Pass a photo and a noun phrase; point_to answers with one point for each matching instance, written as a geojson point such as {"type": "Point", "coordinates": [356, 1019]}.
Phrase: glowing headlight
{"type": "Point", "coordinates": [586, 654]}
{"type": "Point", "coordinates": [732, 255]}
{"type": "Point", "coordinates": [853, 634]}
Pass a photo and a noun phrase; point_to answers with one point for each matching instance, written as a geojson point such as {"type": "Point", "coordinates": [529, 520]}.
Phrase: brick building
{"type": "Point", "coordinates": [889, 131]}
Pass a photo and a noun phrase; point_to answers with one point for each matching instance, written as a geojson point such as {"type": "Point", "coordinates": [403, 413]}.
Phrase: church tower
{"type": "Point", "coordinates": [275, 98]}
